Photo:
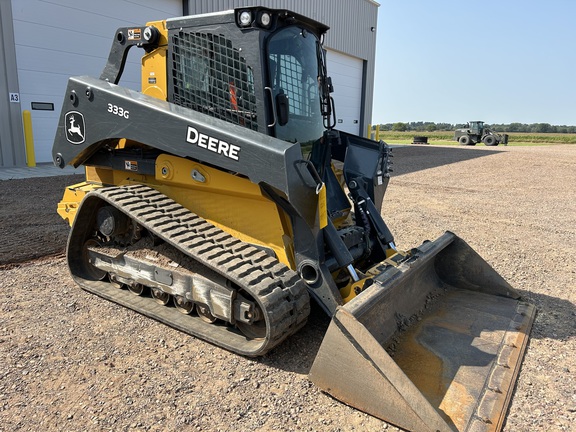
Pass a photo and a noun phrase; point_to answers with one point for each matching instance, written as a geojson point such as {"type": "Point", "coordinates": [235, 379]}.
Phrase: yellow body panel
{"type": "Point", "coordinates": [154, 65]}
{"type": "Point", "coordinates": [230, 202]}
{"type": "Point", "coordinates": [322, 207]}
{"type": "Point", "coordinates": [68, 206]}
{"type": "Point", "coordinates": [345, 218]}
{"type": "Point", "coordinates": [353, 289]}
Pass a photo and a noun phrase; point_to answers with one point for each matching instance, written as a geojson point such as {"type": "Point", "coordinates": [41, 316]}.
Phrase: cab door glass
{"type": "Point", "coordinates": [293, 76]}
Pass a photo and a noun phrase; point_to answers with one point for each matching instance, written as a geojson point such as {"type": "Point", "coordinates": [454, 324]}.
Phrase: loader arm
{"type": "Point", "coordinates": [111, 113]}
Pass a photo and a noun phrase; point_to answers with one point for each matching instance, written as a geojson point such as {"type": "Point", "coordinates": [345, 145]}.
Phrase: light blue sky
{"type": "Point", "coordinates": [500, 61]}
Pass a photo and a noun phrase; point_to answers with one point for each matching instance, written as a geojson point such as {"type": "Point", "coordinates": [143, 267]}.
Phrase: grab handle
{"type": "Point", "coordinates": [273, 106]}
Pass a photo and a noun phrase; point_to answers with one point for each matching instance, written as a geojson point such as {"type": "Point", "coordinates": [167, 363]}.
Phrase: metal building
{"type": "Point", "coordinates": [43, 42]}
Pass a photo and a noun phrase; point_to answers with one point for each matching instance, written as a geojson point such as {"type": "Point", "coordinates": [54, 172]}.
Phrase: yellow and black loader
{"type": "Point", "coordinates": [221, 200]}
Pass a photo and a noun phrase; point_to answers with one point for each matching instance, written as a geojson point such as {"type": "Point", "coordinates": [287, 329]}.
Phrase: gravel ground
{"type": "Point", "coordinates": [71, 361]}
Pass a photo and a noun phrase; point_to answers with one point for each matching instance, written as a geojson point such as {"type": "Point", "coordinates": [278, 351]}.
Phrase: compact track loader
{"type": "Point", "coordinates": [220, 200]}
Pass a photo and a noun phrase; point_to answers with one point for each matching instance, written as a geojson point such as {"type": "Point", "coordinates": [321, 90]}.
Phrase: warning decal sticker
{"type": "Point", "coordinates": [134, 34]}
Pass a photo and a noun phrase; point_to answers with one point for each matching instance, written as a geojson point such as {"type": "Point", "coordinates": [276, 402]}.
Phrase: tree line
{"type": "Point", "coordinates": [511, 127]}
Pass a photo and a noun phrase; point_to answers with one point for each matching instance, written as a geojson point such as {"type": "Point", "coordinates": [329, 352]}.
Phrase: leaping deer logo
{"type": "Point", "coordinates": [75, 133]}
{"type": "Point", "coordinates": [75, 129]}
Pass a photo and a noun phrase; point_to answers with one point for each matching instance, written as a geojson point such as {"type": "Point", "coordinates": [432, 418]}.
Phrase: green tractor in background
{"type": "Point", "coordinates": [476, 132]}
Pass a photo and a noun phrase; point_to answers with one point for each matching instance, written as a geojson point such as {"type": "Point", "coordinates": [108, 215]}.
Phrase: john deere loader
{"type": "Point", "coordinates": [221, 201]}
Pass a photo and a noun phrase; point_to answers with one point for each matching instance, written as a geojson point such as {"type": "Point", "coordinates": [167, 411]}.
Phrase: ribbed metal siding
{"type": "Point", "coordinates": [350, 20]}
{"type": "Point", "coordinates": [350, 31]}
{"type": "Point", "coordinates": [53, 41]}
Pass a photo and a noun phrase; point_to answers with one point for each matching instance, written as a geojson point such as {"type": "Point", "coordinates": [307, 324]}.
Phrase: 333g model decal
{"type": "Point", "coordinates": [118, 110]}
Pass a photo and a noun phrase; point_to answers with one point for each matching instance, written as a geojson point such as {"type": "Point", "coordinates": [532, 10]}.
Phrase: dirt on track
{"type": "Point", "coordinates": [71, 361]}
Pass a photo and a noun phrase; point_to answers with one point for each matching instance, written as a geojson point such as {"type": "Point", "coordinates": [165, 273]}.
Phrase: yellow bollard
{"type": "Point", "coordinates": [28, 138]}
{"type": "Point", "coordinates": [378, 132]}
{"type": "Point", "coordinates": [369, 134]}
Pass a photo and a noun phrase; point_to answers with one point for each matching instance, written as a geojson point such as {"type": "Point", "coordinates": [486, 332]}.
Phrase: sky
{"type": "Point", "coordinates": [452, 61]}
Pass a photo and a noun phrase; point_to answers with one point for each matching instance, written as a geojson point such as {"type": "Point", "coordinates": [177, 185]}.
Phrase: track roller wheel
{"type": "Point", "coordinates": [137, 289]}
{"type": "Point", "coordinates": [115, 282]}
{"type": "Point", "coordinates": [204, 313]}
{"type": "Point", "coordinates": [160, 296]}
{"type": "Point", "coordinates": [183, 305]}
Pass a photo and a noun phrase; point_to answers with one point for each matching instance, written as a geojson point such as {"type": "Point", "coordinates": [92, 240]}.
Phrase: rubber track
{"type": "Point", "coordinates": [279, 291]}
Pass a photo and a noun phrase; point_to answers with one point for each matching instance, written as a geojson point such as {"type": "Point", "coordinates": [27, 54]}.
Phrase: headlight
{"type": "Point", "coordinates": [245, 18]}
{"type": "Point", "coordinates": [265, 19]}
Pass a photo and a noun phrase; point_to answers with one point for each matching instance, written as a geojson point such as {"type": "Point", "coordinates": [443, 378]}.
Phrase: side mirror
{"type": "Point", "coordinates": [282, 110]}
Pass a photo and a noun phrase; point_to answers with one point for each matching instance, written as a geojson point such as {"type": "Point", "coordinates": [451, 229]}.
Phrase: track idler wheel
{"type": "Point", "coordinates": [93, 272]}
{"type": "Point", "coordinates": [256, 328]}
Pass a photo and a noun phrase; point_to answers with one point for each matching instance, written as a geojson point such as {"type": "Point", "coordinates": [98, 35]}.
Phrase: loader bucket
{"type": "Point", "coordinates": [434, 344]}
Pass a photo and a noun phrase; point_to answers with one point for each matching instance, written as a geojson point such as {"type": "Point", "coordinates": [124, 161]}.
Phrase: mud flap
{"type": "Point", "coordinates": [434, 344]}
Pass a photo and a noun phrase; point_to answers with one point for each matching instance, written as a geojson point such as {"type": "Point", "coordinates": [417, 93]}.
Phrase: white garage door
{"type": "Point", "coordinates": [346, 73]}
{"type": "Point", "coordinates": [62, 38]}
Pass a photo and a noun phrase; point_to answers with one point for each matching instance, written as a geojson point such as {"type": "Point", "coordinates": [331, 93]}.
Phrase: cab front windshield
{"type": "Point", "coordinates": [293, 65]}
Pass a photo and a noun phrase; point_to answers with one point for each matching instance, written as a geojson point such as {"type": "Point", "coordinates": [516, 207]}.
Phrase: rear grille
{"type": "Point", "coordinates": [210, 76]}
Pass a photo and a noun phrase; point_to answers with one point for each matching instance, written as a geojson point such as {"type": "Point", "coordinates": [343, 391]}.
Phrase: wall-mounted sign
{"type": "Point", "coordinates": [15, 97]}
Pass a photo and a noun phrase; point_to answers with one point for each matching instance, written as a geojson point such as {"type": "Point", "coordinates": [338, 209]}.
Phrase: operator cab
{"type": "Point", "coordinates": [476, 127]}
{"type": "Point", "coordinates": [261, 68]}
